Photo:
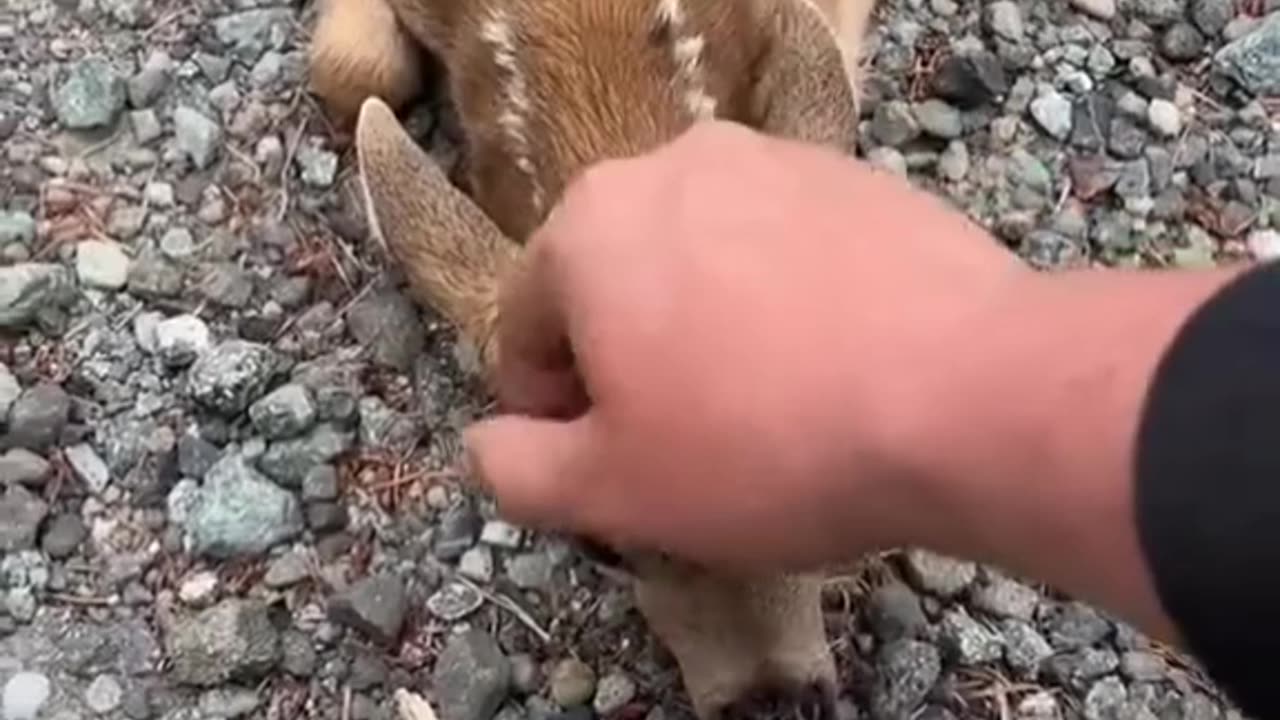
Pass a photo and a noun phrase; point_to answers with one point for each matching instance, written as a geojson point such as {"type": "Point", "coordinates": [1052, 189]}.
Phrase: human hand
{"type": "Point", "coordinates": [726, 349]}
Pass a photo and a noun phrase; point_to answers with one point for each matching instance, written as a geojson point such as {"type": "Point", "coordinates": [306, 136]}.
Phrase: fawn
{"type": "Point", "coordinates": [544, 89]}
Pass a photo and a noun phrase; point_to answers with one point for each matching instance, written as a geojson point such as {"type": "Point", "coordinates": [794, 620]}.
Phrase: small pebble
{"type": "Point", "coordinates": [573, 682]}
{"type": "Point", "coordinates": [104, 694]}
{"type": "Point", "coordinates": [1164, 117]}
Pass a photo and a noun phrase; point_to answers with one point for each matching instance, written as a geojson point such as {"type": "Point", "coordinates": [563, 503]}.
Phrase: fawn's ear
{"type": "Point", "coordinates": [452, 254]}
{"type": "Point", "coordinates": [805, 87]}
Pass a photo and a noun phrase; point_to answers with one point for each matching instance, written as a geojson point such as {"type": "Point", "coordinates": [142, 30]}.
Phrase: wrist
{"type": "Point", "coordinates": [1028, 465]}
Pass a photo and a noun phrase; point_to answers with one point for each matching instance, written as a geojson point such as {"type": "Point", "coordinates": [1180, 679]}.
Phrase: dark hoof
{"type": "Point", "coordinates": [814, 701]}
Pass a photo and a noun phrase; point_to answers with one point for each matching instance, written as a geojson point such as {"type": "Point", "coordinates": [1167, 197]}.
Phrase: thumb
{"type": "Point", "coordinates": [533, 467]}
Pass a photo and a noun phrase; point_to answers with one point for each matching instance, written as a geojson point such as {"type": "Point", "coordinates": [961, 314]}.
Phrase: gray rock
{"type": "Point", "coordinates": [250, 32]}
{"type": "Point", "coordinates": [895, 612]}
{"type": "Point", "coordinates": [232, 641]}
{"type": "Point", "coordinates": [1181, 42]}
{"type": "Point", "coordinates": [145, 125]}
{"type": "Point", "coordinates": [1073, 625]}
{"type": "Point", "coordinates": [613, 692]}
{"type": "Point", "coordinates": [1211, 16]}
{"type": "Point", "coordinates": [1052, 113]}
{"type": "Point", "coordinates": [196, 455]}
{"type": "Point", "coordinates": [1253, 60]}
{"type": "Point", "coordinates": [227, 285]}
{"type": "Point", "coordinates": [17, 226]}
{"type": "Point", "coordinates": [1127, 139]}
{"type": "Point", "coordinates": [179, 340]}
{"type": "Point", "coordinates": [10, 389]}
{"type": "Point", "coordinates": [88, 466]}
{"type": "Point", "coordinates": [320, 483]}
{"type": "Point", "coordinates": [1107, 700]}
{"type": "Point", "coordinates": [63, 535]}
{"type": "Point", "coordinates": [1134, 180]}
{"type": "Point", "coordinates": [530, 570]}
{"type": "Point", "coordinates": [967, 641]}
{"type": "Point", "coordinates": [104, 694]}
{"type": "Point", "coordinates": [21, 466]}
{"type": "Point", "coordinates": [1140, 666]}
{"type": "Point", "coordinates": [1005, 20]}
{"type": "Point", "coordinates": [101, 264]}
{"type": "Point", "coordinates": [326, 517]}
{"type": "Point", "coordinates": [937, 574]}
{"type": "Point", "coordinates": [938, 118]}
{"type": "Point", "coordinates": [906, 670]}
{"type": "Point", "coordinates": [389, 324]}
{"type": "Point", "coordinates": [894, 124]}
{"type": "Point", "coordinates": [374, 605]}
{"type": "Point", "coordinates": [1025, 650]}
{"type": "Point", "coordinates": [1028, 171]}
{"type": "Point", "coordinates": [238, 512]}
{"type": "Point", "coordinates": [573, 683]}
{"type": "Point", "coordinates": [471, 677]}
{"type": "Point", "coordinates": [288, 461]}
{"type": "Point", "coordinates": [1039, 705]}
{"type": "Point", "coordinates": [477, 564]}
{"type": "Point", "coordinates": [228, 702]}
{"type": "Point", "coordinates": [299, 657]}
{"type": "Point", "coordinates": [318, 166]}
{"type": "Point", "coordinates": [889, 159]}
{"type": "Point", "coordinates": [287, 569]}
{"type": "Point", "coordinates": [501, 534]}
{"type": "Point", "coordinates": [1159, 13]}
{"type": "Point", "coordinates": [91, 96]}
{"type": "Point", "coordinates": [284, 412]}
{"type": "Point", "coordinates": [383, 428]}
{"type": "Point", "coordinates": [953, 163]}
{"type": "Point", "coordinates": [1005, 597]}
{"type": "Point", "coordinates": [196, 136]}
{"type": "Point", "coordinates": [1101, 62]}
{"type": "Point", "coordinates": [37, 417]}
{"type": "Point", "coordinates": [232, 374]}
{"type": "Point", "coordinates": [20, 516]}
{"type": "Point", "coordinates": [149, 84]}
{"type": "Point", "coordinates": [267, 70]}
{"type": "Point", "coordinates": [971, 78]}
{"type": "Point", "coordinates": [28, 288]}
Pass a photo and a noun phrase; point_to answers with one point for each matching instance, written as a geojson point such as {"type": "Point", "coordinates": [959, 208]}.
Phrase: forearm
{"type": "Point", "coordinates": [1034, 462]}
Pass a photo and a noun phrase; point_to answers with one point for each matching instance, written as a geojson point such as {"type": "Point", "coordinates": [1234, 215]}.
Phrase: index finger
{"type": "Point", "coordinates": [537, 372]}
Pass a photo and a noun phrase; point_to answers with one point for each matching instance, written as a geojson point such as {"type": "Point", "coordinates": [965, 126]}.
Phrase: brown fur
{"type": "Point", "coordinates": [544, 89]}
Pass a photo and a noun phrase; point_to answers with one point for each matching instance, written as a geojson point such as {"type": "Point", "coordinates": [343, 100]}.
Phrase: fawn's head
{"type": "Point", "coordinates": [544, 90]}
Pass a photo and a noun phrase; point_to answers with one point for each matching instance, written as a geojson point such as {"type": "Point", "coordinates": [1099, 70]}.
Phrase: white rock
{"type": "Point", "coordinates": [1101, 9]}
{"type": "Point", "coordinates": [181, 338]}
{"type": "Point", "coordinates": [88, 466]}
{"type": "Point", "coordinates": [1264, 244]}
{"type": "Point", "coordinates": [104, 694]}
{"type": "Point", "coordinates": [502, 534]}
{"type": "Point", "coordinates": [24, 694]}
{"type": "Point", "coordinates": [1164, 117]}
{"type": "Point", "coordinates": [1052, 112]}
{"type": "Point", "coordinates": [199, 588]}
{"type": "Point", "coordinates": [887, 158]}
{"type": "Point", "coordinates": [102, 264]}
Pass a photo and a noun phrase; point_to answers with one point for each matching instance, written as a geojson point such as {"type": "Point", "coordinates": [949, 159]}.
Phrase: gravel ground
{"type": "Point", "coordinates": [215, 496]}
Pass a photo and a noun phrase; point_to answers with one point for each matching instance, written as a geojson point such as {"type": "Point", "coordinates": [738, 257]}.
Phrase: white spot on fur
{"type": "Point", "coordinates": [497, 31]}
{"type": "Point", "coordinates": [686, 51]}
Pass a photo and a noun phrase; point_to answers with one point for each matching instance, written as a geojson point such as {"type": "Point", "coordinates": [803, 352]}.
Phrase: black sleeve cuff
{"type": "Point", "coordinates": [1208, 486]}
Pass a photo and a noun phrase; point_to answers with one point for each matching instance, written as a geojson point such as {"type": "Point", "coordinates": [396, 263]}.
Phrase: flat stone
{"type": "Point", "coordinates": [102, 264]}
{"type": "Point", "coordinates": [374, 605]}
{"type": "Point", "coordinates": [91, 96]}
{"type": "Point", "coordinates": [471, 677]}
